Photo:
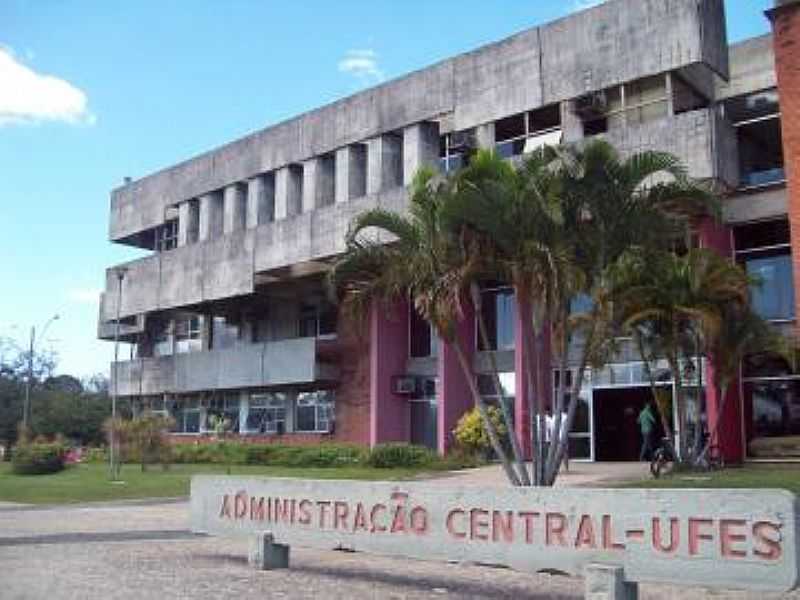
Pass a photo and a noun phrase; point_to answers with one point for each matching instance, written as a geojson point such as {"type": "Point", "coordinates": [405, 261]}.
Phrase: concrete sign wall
{"type": "Point", "coordinates": [740, 539]}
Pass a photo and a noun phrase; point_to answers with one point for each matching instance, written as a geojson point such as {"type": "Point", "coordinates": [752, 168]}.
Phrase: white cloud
{"type": "Point", "coordinates": [363, 64]}
{"type": "Point", "coordinates": [584, 4]}
{"type": "Point", "coordinates": [30, 97]}
{"type": "Point", "coordinates": [84, 296]}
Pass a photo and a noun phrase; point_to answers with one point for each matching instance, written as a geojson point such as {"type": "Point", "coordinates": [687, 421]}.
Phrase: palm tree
{"type": "Point", "coordinates": [611, 205]}
{"type": "Point", "coordinates": [681, 302]}
{"type": "Point", "coordinates": [424, 264]}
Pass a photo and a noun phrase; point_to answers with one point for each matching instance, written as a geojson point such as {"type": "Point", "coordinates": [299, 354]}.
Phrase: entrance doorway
{"type": "Point", "coordinates": [423, 423]}
{"type": "Point", "coordinates": [616, 427]}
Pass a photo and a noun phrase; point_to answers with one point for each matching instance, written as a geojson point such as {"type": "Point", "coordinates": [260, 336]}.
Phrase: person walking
{"type": "Point", "coordinates": [647, 423]}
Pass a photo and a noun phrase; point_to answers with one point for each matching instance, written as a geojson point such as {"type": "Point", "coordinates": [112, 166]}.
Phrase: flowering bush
{"type": "Point", "coordinates": [38, 459]}
{"type": "Point", "coordinates": [471, 435]}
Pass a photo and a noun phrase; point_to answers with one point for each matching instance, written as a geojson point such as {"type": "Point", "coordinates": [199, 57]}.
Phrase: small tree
{"type": "Point", "coordinates": [471, 435]}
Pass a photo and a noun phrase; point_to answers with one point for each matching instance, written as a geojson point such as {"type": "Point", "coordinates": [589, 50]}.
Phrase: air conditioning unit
{"type": "Point", "coordinates": [590, 105]}
{"type": "Point", "coordinates": [404, 385]}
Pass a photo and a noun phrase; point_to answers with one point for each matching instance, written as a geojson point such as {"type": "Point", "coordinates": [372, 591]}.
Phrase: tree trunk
{"type": "Point", "coordinates": [490, 430]}
{"type": "Point", "coordinates": [722, 392]}
{"type": "Point", "coordinates": [519, 460]}
{"type": "Point", "coordinates": [556, 443]}
{"type": "Point", "coordinates": [527, 335]}
{"type": "Point", "coordinates": [646, 360]}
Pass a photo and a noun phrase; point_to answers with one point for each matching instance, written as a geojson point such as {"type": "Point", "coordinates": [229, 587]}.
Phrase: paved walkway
{"type": "Point", "coordinates": [138, 550]}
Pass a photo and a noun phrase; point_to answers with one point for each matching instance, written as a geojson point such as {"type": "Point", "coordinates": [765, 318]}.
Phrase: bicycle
{"type": "Point", "coordinates": [664, 459]}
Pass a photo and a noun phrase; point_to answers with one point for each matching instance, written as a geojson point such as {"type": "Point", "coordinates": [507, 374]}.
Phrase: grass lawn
{"type": "Point", "coordinates": [775, 476]}
{"type": "Point", "coordinates": [89, 482]}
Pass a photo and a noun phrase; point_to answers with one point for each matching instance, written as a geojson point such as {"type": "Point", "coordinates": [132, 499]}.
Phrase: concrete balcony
{"type": "Point", "coordinates": [285, 362]}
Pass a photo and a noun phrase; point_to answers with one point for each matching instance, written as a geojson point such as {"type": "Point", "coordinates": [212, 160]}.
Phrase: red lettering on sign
{"type": "Point", "coordinates": [323, 506]}
{"type": "Point", "coordinates": [225, 509]}
{"type": "Point", "coordinates": [554, 526]}
{"type": "Point", "coordinates": [478, 520]}
{"type": "Point", "coordinates": [373, 518]}
{"type": "Point", "coordinates": [767, 538]}
{"type": "Point", "coordinates": [608, 535]}
{"type": "Point", "coordinates": [304, 508]}
{"type": "Point", "coordinates": [674, 536]}
{"type": "Point", "coordinates": [585, 537]}
{"type": "Point", "coordinates": [340, 512]}
{"type": "Point", "coordinates": [728, 537]}
{"type": "Point", "coordinates": [451, 527]}
{"type": "Point", "coordinates": [360, 520]}
{"type": "Point", "coordinates": [284, 510]}
{"type": "Point", "coordinates": [695, 535]}
{"type": "Point", "coordinates": [528, 518]}
{"type": "Point", "coordinates": [503, 526]}
{"type": "Point", "coordinates": [240, 505]}
{"type": "Point", "coordinates": [419, 520]}
{"type": "Point", "coordinates": [256, 509]}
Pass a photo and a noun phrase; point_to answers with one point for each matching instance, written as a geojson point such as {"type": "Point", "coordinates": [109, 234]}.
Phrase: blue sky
{"type": "Point", "coordinates": [91, 92]}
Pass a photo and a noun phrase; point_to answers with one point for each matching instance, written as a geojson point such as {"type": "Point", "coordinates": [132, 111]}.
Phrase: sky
{"type": "Point", "coordinates": [91, 92]}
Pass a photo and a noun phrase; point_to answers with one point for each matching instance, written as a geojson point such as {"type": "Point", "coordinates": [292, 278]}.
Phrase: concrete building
{"type": "Point", "coordinates": [228, 314]}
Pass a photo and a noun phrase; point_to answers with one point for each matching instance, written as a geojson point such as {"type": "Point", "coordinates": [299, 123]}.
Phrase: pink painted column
{"type": "Point", "coordinates": [454, 397]}
{"type": "Point", "coordinates": [389, 414]}
{"type": "Point", "coordinates": [729, 435]}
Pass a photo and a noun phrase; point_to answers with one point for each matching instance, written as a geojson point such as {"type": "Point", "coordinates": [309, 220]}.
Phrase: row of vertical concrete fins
{"type": "Point", "coordinates": [226, 267]}
{"type": "Point", "coordinates": [269, 364]}
{"type": "Point", "coordinates": [619, 41]}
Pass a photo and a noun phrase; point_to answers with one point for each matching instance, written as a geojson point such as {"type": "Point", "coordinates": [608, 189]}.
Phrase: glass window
{"type": "Point", "coordinates": [167, 236]}
{"type": "Point", "coordinates": [315, 411]}
{"type": "Point", "coordinates": [423, 341]}
{"type": "Point", "coordinates": [223, 334]}
{"type": "Point", "coordinates": [317, 320]}
{"type": "Point", "coordinates": [162, 340]}
{"type": "Point", "coordinates": [187, 416]}
{"type": "Point", "coordinates": [455, 149]}
{"type": "Point", "coordinates": [223, 407]}
{"type": "Point", "coordinates": [758, 126]}
{"type": "Point", "coordinates": [267, 413]}
{"type": "Point", "coordinates": [187, 335]}
{"type": "Point", "coordinates": [775, 407]}
{"type": "Point", "coordinates": [499, 312]}
{"type": "Point", "coordinates": [488, 391]}
{"type": "Point", "coordinates": [765, 252]}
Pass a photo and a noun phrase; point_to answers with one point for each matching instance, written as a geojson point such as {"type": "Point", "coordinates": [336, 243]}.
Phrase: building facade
{"type": "Point", "coordinates": [228, 315]}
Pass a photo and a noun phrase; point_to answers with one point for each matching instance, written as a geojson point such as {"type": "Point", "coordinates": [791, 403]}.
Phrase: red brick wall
{"type": "Point", "coordinates": [786, 28]}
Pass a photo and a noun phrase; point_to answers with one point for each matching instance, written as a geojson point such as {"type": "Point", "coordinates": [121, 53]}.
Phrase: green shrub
{"type": "Point", "coordinates": [38, 459]}
{"type": "Point", "coordinates": [95, 455]}
{"type": "Point", "coordinates": [471, 436]}
{"type": "Point", "coordinates": [389, 456]}
{"type": "Point", "coordinates": [276, 455]}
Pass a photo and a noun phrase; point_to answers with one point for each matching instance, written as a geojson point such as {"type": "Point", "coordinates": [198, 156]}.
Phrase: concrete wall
{"type": "Point", "coordinates": [274, 363]}
{"type": "Point", "coordinates": [752, 68]}
{"type": "Point", "coordinates": [618, 41]}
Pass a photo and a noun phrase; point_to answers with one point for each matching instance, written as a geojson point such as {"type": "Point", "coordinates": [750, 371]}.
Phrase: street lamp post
{"type": "Point", "coordinates": [26, 409]}
{"type": "Point", "coordinates": [120, 272]}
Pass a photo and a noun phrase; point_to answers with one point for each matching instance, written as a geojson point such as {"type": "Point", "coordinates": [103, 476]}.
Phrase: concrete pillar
{"type": "Point", "coordinates": [351, 172]}
{"type": "Point", "coordinates": [390, 415]}
{"type": "Point", "coordinates": [484, 136]}
{"type": "Point", "coordinates": [210, 219]}
{"type": "Point", "coordinates": [260, 200]}
{"type": "Point", "coordinates": [288, 191]}
{"type": "Point", "coordinates": [454, 396]}
{"type": "Point", "coordinates": [311, 169]}
{"type": "Point", "coordinates": [571, 124]}
{"type": "Point", "coordinates": [384, 163]}
{"type": "Point", "coordinates": [244, 411]}
{"type": "Point", "coordinates": [188, 225]}
{"type": "Point", "coordinates": [420, 148]}
{"type": "Point", "coordinates": [234, 208]}
{"type": "Point", "coordinates": [729, 435]}
{"type": "Point", "coordinates": [785, 19]}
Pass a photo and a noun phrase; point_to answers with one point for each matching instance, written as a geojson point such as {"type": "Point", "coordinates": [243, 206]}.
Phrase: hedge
{"type": "Point", "coordinates": [38, 459]}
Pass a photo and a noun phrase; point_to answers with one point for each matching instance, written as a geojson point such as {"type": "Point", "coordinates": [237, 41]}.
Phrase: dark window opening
{"type": "Point", "coordinates": [455, 150]}
{"type": "Point", "coordinates": [317, 320]}
{"type": "Point", "coordinates": [422, 340]}
{"type": "Point", "coordinates": [499, 313]}
{"type": "Point", "coordinates": [545, 118]}
{"type": "Point", "coordinates": [761, 152]}
{"type": "Point", "coordinates": [166, 236]}
{"type": "Point", "coordinates": [685, 98]}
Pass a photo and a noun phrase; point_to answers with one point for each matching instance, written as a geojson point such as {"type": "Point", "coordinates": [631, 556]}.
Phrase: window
{"type": "Point", "coordinates": [527, 132]}
{"type": "Point", "coordinates": [267, 413]}
{"type": "Point", "coordinates": [315, 412]}
{"type": "Point", "coordinates": [187, 335]}
{"type": "Point", "coordinates": [167, 236]}
{"type": "Point", "coordinates": [635, 103]}
{"type": "Point", "coordinates": [223, 334]}
{"type": "Point", "coordinates": [455, 149]}
{"type": "Point", "coordinates": [764, 250]}
{"type": "Point", "coordinates": [423, 341]}
{"type": "Point", "coordinates": [317, 320]}
{"type": "Point", "coordinates": [757, 120]}
{"type": "Point", "coordinates": [499, 311]}
{"type": "Point", "coordinates": [162, 340]}
{"type": "Point", "coordinates": [187, 416]}
{"type": "Point", "coordinates": [225, 407]}
{"type": "Point", "coordinates": [488, 390]}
